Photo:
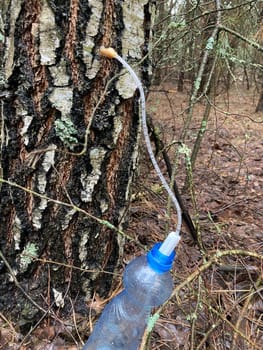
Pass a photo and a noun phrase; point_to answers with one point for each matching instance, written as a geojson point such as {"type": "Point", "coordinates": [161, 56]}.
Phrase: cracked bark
{"type": "Point", "coordinates": [51, 81]}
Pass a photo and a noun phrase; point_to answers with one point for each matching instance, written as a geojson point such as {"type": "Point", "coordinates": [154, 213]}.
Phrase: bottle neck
{"type": "Point", "coordinates": [145, 286]}
{"type": "Point", "coordinates": [159, 262]}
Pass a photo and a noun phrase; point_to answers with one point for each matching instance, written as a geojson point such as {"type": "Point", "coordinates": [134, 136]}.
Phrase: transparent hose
{"type": "Point", "coordinates": [173, 238]}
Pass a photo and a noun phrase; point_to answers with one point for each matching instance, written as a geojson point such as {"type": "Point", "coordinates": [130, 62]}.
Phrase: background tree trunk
{"type": "Point", "coordinates": [51, 82]}
{"type": "Point", "coordinates": [259, 38]}
{"type": "Point", "coordinates": [259, 107]}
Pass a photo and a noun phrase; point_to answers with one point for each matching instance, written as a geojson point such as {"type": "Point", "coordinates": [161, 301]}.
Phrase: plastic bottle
{"type": "Point", "coordinates": [147, 284]}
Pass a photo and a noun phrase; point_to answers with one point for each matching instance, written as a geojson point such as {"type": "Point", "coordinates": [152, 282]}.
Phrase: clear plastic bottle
{"type": "Point", "coordinates": [147, 284]}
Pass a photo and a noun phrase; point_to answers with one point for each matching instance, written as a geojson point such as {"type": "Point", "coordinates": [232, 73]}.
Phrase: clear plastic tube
{"type": "Point", "coordinates": [147, 281]}
{"type": "Point", "coordinates": [173, 238]}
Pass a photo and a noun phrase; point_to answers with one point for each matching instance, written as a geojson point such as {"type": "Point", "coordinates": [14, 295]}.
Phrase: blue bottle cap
{"type": "Point", "coordinates": [158, 261]}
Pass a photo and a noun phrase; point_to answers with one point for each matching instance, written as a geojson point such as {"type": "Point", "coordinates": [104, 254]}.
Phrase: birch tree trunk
{"type": "Point", "coordinates": [63, 139]}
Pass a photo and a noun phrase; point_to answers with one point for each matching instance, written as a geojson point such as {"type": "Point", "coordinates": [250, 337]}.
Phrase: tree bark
{"type": "Point", "coordinates": [64, 139]}
{"type": "Point", "coordinates": [259, 107]}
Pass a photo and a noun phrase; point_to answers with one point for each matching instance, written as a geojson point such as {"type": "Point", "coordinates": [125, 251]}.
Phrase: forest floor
{"type": "Point", "coordinates": [219, 296]}
{"type": "Point", "coordinates": [221, 307]}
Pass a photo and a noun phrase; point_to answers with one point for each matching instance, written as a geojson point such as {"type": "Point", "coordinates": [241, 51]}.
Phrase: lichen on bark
{"type": "Point", "coordinates": [49, 37]}
{"type": "Point", "coordinates": [89, 181]}
{"type": "Point", "coordinates": [92, 29]}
